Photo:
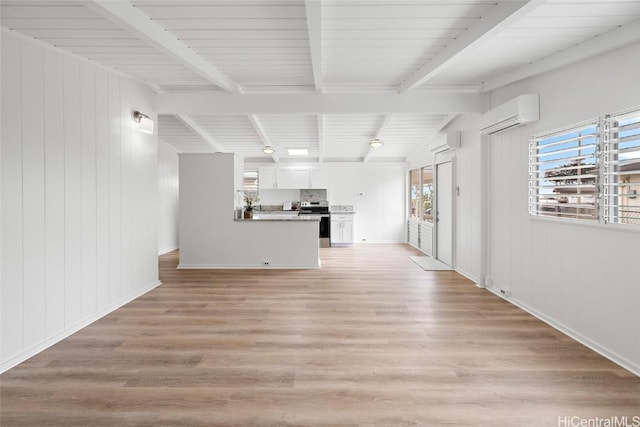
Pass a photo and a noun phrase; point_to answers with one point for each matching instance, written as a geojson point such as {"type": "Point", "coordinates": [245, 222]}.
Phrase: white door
{"type": "Point", "coordinates": [444, 212]}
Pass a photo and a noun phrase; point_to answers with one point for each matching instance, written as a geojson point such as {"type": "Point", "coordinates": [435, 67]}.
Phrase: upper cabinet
{"type": "Point", "coordinates": [284, 178]}
{"type": "Point", "coordinates": [292, 177]}
{"type": "Point", "coordinates": [300, 178]}
{"type": "Point", "coordinates": [267, 178]}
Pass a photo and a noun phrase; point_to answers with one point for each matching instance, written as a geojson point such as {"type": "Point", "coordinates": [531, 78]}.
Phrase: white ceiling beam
{"type": "Point", "coordinates": [383, 126]}
{"type": "Point", "coordinates": [320, 138]}
{"type": "Point", "coordinates": [189, 123]}
{"type": "Point", "coordinates": [444, 123]}
{"type": "Point", "coordinates": [313, 10]}
{"type": "Point", "coordinates": [501, 16]}
{"type": "Point", "coordinates": [378, 135]}
{"type": "Point", "coordinates": [226, 104]}
{"type": "Point", "coordinates": [614, 39]}
{"type": "Point", "coordinates": [131, 19]}
{"type": "Point", "coordinates": [257, 126]}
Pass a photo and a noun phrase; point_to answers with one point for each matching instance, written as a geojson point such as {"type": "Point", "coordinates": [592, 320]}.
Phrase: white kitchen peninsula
{"type": "Point", "coordinates": [209, 235]}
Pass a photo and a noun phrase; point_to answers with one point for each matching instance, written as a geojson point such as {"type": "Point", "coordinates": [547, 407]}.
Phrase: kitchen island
{"type": "Point", "coordinates": [211, 238]}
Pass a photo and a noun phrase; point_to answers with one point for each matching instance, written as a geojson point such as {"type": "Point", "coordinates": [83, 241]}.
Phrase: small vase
{"type": "Point", "coordinates": [248, 214]}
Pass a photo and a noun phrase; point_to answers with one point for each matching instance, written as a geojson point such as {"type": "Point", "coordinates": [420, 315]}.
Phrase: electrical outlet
{"type": "Point", "coordinates": [266, 262]}
{"type": "Point", "coordinates": [505, 292]}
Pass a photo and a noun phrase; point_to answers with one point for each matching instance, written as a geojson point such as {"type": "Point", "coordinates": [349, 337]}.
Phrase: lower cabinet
{"type": "Point", "coordinates": [341, 230]}
{"type": "Point", "coordinates": [420, 235]}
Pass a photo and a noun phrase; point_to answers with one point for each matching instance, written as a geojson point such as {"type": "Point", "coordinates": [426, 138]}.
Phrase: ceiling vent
{"type": "Point", "coordinates": [519, 111]}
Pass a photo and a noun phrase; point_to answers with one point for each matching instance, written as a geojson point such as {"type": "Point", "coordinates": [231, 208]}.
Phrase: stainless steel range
{"type": "Point", "coordinates": [322, 209]}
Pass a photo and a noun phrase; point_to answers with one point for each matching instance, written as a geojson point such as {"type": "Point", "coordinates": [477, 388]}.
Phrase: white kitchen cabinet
{"type": "Point", "coordinates": [288, 178]}
{"type": "Point", "coordinates": [300, 178]}
{"type": "Point", "coordinates": [284, 179]}
{"type": "Point", "coordinates": [341, 229]}
{"type": "Point", "coordinates": [267, 178]}
{"type": "Point", "coordinates": [318, 178]}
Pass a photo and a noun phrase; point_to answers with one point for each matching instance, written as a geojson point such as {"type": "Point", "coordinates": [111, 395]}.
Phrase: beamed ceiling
{"type": "Point", "coordinates": [327, 75]}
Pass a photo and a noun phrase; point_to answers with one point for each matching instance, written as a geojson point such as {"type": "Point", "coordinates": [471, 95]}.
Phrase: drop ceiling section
{"type": "Point", "coordinates": [233, 133]}
{"type": "Point", "coordinates": [552, 27]}
{"type": "Point", "coordinates": [346, 137]}
{"type": "Point", "coordinates": [378, 45]}
{"type": "Point", "coordinates": [76, 29]}
{"type": "Point", "coordinates": [405, 133]}
{"type": "Point", "coordinates": [261, 45]}
{"type": "Point", "coordinates": [292, 131]}
{"type": "Point", "coordinates": [174, 132]}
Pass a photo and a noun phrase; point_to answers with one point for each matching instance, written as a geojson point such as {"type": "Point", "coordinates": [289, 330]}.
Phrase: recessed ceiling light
{"type": "Point", "coordinates": [268, 149]}
{"type": "Point", "coordinates": [375, 143]}
{"type": "Point", "coordinates": [298, 151]}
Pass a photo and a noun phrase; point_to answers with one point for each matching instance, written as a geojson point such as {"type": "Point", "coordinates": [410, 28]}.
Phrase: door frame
{"type": "Point", "coordinates": [441, 159]}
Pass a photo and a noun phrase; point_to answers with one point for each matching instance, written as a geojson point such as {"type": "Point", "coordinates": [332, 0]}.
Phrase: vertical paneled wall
{"type": "Point", "coordinates": [79, 196]}
{"type": "Point", "coordinates": [168, 197]}
{"type": "Point", "coordinates": [582, 278]}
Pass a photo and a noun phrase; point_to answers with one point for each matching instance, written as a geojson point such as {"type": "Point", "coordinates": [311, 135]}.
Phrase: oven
{"type": "Point", "coordinates": [322, 210]}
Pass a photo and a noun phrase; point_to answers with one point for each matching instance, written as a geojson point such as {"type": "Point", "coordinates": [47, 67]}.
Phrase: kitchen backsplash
{"type": "Point", "coordinates": [313, 195]}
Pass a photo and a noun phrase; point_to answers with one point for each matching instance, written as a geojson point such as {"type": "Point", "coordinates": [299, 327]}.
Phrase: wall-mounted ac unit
{"type": "Point", "coordinates": [448, 141]}
{"type": "Point", "coordinates": [516, 112]}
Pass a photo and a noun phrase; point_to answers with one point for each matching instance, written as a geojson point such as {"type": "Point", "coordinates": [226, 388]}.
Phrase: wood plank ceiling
{"type": "Point", "coordinates": [316, 48]}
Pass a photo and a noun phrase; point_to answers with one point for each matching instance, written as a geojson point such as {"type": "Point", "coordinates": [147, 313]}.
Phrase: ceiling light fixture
{"type": "Point", "coordinates": [375, 143]}
{"type": "Point", "coordinates": [146, 124]}
{"type": "Point", "coordinates": [297, 151]}
{"type": "Point", "coordinates": [268, 149]}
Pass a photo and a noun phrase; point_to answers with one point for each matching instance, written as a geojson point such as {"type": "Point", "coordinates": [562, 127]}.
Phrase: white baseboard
{"type": "Point", "coordinates": [16, 360]}
{"type": "Point", "coordinates": [167, 249]}
{"type": "Point", "coordinates": [611, 355]}
{"type": "Point", "coordinates": [468, 275]}
{"type": "Point", "coordinates": [246, 267]}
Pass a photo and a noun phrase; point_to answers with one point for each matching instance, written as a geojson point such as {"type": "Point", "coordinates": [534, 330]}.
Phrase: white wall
{"type": "Point", "coordinates": [79, 196]}
{"type": "Point", "coordinates": [378, 195]}
{"type": "Point", "coordinates": [583, 279]}
{"type": "Point", "coordinates": [167, 198]}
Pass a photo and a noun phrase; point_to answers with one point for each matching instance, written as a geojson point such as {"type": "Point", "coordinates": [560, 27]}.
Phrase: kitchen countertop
{"type": "Point", "coordinates": [342, 209]}
{"type": "Point", "coordinates": [279, 216]}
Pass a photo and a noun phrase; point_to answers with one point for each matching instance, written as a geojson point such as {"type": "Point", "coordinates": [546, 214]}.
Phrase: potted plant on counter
{"type": "Point", "coordinates": [249, 204]}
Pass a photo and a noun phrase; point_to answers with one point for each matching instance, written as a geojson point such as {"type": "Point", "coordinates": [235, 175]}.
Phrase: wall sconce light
{"type": "Point", "coordinates": [268, 149]}
{"type": "Point", "coordinates": [375, 143]}
{"type": "Point", "coordinates": [146, 124]}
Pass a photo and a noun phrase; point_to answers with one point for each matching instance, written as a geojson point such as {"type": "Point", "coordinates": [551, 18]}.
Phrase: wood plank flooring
{"type": "Point", "coordinates": [368, 340]}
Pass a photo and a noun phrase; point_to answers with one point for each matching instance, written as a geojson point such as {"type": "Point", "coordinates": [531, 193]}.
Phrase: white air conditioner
{"type": "Point", "coordinates": [517, 112]}
{"type": "Point", "coordinates": [448, 141]}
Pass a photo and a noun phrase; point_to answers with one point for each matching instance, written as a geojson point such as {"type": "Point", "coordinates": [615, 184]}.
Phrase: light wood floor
{"type": "Point", "coordinates": [369, 339]}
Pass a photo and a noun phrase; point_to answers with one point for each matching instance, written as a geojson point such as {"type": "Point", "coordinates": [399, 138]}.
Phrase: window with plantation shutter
{"type": "Point", "coordinates": [621, 161]}
{"type": "Point", "coordinates": [564, 173]}
{"type": "Point", "coordinates": [250, 183]}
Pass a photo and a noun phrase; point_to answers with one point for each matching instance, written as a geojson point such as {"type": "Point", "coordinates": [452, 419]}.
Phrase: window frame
{"type": "Point", "coordinates": [424, 216]}
{"type": "Point", "coordinates": [563, 141]}
{"type": "Point", "coordinates": [416, 193]}
{"type": "Point", "coordinates": [607, 190]}
{"type": "Point", "coordinates": [612, 149]}
{"type": "Point", "coordinates": [414, 196]}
